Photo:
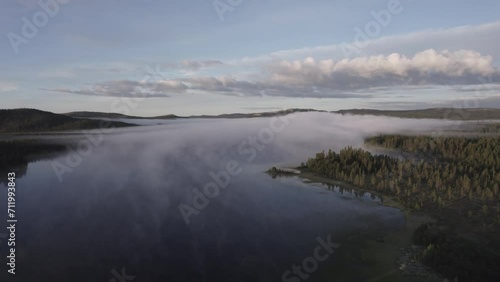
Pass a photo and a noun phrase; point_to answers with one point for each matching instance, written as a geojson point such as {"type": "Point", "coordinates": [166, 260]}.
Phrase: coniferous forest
{"type": "Point", "coordinates": [454, 179]}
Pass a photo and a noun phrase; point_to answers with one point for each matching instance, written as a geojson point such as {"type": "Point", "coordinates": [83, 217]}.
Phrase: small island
{"type": "Point", "coordinates": [275, 172]}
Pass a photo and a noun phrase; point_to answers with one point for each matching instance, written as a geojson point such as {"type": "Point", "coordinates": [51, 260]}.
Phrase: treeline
{"type": "Point", "coordinates": [20, 152]}
{"type": "Point", "coordinates": [456, 179]}
{"type": "Point", "coordinates": [468, 187]}
{"type": "Point", "coordinates": [463, 170]}
{"type": "Point", "coordinates": [477, 151]}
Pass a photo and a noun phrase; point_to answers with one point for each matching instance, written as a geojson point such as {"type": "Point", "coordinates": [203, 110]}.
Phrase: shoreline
{"type": "Point", "coordinates": [393, 255]}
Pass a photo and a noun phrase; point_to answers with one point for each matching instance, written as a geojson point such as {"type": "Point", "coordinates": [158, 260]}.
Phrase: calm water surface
{"type": "Point", "coordinates": [119, 208]}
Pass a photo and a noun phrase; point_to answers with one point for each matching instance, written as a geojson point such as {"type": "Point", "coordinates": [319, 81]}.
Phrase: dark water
{"type": "Point", "coordinates": [119, 208]}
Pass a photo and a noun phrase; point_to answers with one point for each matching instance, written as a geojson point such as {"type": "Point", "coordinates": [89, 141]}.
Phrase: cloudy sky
{"type": "Point", "coordinates": [152, 57]}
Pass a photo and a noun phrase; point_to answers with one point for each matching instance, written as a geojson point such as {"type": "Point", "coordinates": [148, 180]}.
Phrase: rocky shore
{"type": "Point", "coordinates": [410, 266]}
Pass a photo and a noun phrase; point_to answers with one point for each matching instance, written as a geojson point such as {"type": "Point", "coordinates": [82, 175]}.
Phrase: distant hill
{"type": "Point", "coordinates": [256, 115]}
{"type": "Point", "coordinates": [228, 116]}
{"type": "Point", "coordinates": [114, 115]}
{"type": "Point", "coordinates": [167, 117]}
{"type": "Point", "coordinates": [97, 115]}
{"type": "Point", "coordinates": [435, 113]}
{"type": "Point", "coordinates": [31, 120]}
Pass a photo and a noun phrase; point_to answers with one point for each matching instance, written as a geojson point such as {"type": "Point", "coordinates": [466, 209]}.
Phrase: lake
{"type": "Point", "coordinates": [124, 207]}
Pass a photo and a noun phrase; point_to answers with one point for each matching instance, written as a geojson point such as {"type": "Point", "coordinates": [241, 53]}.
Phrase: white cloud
{"type": "Point", "coordinates": [349, 78]}
{"type": "Point", "coordinates": [426, 67]}
{"type": "Point", "coordinates": [356, 78]}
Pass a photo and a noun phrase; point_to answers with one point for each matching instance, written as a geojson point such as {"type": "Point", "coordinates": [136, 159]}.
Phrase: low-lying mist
{"type": "Point", "coordinates": [116, 202]}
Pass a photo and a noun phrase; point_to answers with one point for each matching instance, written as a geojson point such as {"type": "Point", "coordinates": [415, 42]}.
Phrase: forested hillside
{"type": "Point", "coordinates": [31, 120]}
{"type": "Point", "coordinates": [455, 179]}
